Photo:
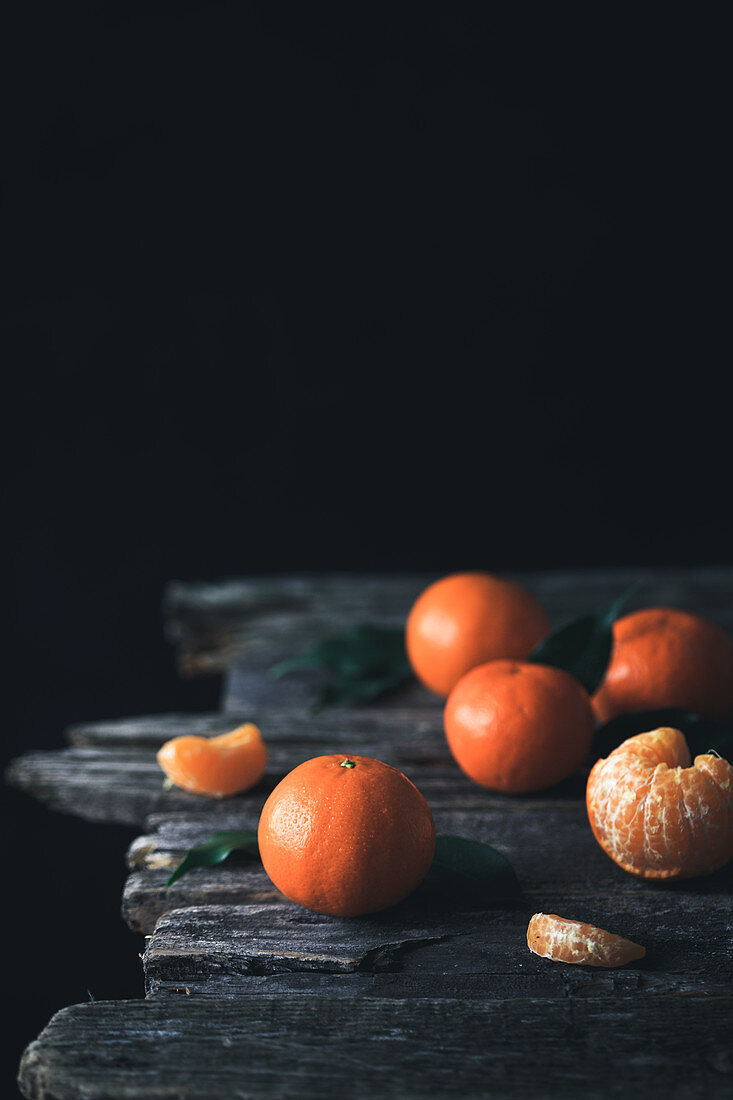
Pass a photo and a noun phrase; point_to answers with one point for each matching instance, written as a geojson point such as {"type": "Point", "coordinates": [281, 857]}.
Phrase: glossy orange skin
{"type": "Point", "coordinates": [664, 657]}
{"type": "Point", "coordinates": [518, 727]}
{"type": "Point", "coordinates": [346, 840]}
{"type": "Point", "coordinates": [466, 619]}
{"type": "Point", "coordinates": [215, 766]}
{"type": "Point", "coordinates": [573, 941]}
{"type": "Point", "coordinates": [657, 816]}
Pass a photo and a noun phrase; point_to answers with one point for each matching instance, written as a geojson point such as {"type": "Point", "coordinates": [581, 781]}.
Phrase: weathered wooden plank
{"type": "Point", "coordinates": [110, 773]}
{"type": "Point", "coordinates": [550, 846]}
{"type": "Point", "coordinates": [248, 683]}
{"type": "Point", "coordinates": [125, 785]}
{"type": "Point", "coordinates": [677, 1046]}
{"type": "Point", "coordinates": [428, 946]}
{"type": "Point", "coordinates": [262, 619]}
{"type": "Point", "coordinates": [520, 835]}
{"type": "Point", "coordinates": [115, 785]}
{"type": "Point", "coordinates": [413, 734]}
{"type": "Point", "coordinates": [267, 616]}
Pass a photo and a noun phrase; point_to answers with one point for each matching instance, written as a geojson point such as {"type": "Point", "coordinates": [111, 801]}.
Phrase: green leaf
{"type": "Point", "coordinates": [360, 664]}
{"type": "Point", "coordinates": [475, 867]}
{"type": "Point", "coordinates": [583, 646]}
{"type": "Point", "coordinates": [701, 734]}
{"type": "Point", "coordinates": [356, 691]}
{"type": "Point", "coordinates": [215, 850]}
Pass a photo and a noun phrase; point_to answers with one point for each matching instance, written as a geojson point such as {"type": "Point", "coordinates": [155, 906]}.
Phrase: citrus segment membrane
{"type": "Point", "coordinates": [215, 766]}
{"type": "Point", "coordinates": [658, 814]}
{"type": "Point", "coordinates": [572, 941]}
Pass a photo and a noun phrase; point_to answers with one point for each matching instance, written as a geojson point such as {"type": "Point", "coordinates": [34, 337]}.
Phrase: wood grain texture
{"type": "Point", "coordinates": [430, 946]}
{"type": "Point", "coordinates": [548, 843]}
{"type": "Point", "coordinates": [262, 619]}
{"type": "Point", "coordinates": [210, 623]}
{"type": "Point", "coordinates": [251, 995]}
{"type": "Point", "coordinates": [123, 784]}
{"type": "Point", "coordinates": [407, 734]}
{"type": "Point", "coordinates": [188, 1048]}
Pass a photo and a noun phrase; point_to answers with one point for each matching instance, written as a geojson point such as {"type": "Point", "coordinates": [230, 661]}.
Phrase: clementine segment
{"type": "Point", "coordinates": [572, 941]}
{"type": "Point", "coordinates": [346, 835]}
{"type": "Point", "coordinates": [664, 657]}
{"type": "Point", "coordinates": [518, 727]}
{"type": "Point", "coordinates": [215, 766]}
{"type": "Point", "coordinates": [466, 619]}
{"type": "Point", "coordinates": [657, 816]}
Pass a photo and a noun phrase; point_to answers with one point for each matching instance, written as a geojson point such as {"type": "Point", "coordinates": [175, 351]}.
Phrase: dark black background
{"type": "Point", "coordinates": [349, 288]}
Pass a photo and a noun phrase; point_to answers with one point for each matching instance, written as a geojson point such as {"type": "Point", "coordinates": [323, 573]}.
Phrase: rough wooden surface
{"type": "Point", "coordinates": [548, 842]}
{"type": "Point", "coordinates": [246, 625]}
{"type": "Point", "coordinates": [431, 946]}
{"type": "Point", "coordinates": [250, 995]}
{"type": "Point", "coordinates": [255, 621]}
{"type": "Point", "coordinates": [227, 931]}
{"type": "Point", "coordinates": [416, 733]}
{"type": "Point", "coordinates": [110, 773]}
{"type": "Point", "coordinates": [124, 786]}
{"type": "Point", "coordinates": [254, 617]}
{"type": "Point", "coordinates": [311, 1047]}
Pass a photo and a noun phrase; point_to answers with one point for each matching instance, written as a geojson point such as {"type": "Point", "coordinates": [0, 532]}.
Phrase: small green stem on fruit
{"type": "Point", "coordinates": [714, 752]}
{"type": "Point", "coordinates": [348, 763]}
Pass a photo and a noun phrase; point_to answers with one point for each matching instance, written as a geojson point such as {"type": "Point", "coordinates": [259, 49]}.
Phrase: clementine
{"type": "Point", "coordinates": [466, 619]}
{"type": "Point", "coordinates": [216, 766]}
{"type": "Point", "coordinates": [346, 835]}
{"type": "Point", "coordinates": [572, 941]}
{"type": "Point", "coordinates": [657, 816]}
{"type": "Point", "coordinates": [518, 727]}
{"type": "Point", "coordinates": [664, 657]}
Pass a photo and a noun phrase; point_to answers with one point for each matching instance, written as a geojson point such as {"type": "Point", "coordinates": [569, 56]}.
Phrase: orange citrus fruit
{"type": "Point", "coordinates": [518, 727]}
{"type": "Point", "coordinates": [216, 766]}
{"type": "Point", "coordinates": [657, 816]}
{"type": "Point", "coordinates": [664, 657]}
{"type": "Point", "coordinates": [346, 835]}
{"type": "Point", "coordinates": [572, 941]}
{"type": "Point", "coordinates": [466, 619]}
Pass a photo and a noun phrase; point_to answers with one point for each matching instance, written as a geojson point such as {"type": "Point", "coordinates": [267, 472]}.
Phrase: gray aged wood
{"type": "Point", "coordinates": [190, 1048]}
{"type": "Point", "coordinates": [261, 620]}
{"type": "Point", "coordinates": [548, 843]}
{"type": "Point", "coordinates": [111, 774]}
{"type": "Point", "coordinates": [416, 733]}
{"type": "Point", "coordinates": [251, 995]}
{"type": "Point", "coordinates": [266, 619]}
{"type": "Point", "coordinates": [430, 946]}
{"type": "Point", "coordinates": [124, 786]}
{"type": "Point", "coordinates": [210, 623]}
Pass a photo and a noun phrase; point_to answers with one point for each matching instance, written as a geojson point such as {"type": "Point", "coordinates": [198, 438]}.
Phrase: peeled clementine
{"type": "Point", "coordinates": [216, 766]}
{"type": "Point", "coordinates": [573, 941]}
{"type": "Point", "coordinates": [466, 619]}
{"type": "Point", "coordinates": [657, 816]}
{"type": "Point", "coordinates": [518, 727]}
{"type": "Point", "coordinates": [346, 835]}
{"type": "Point", "coordinates": [664, 657]}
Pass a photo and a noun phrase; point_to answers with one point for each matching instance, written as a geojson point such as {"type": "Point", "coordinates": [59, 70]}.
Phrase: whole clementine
{"type": "Point", "coordinates": [346, 835]}
{"type": "Point", "coordinates": [216, 766]}
{"type": "Point", "coordinates": [518, 727]}
{"type": "Point", "coordinates": [657, 816]}
{"type": "Point", "coordinates": [465, 619]}
{"type": "Point", "coordinates": [665, 657]}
